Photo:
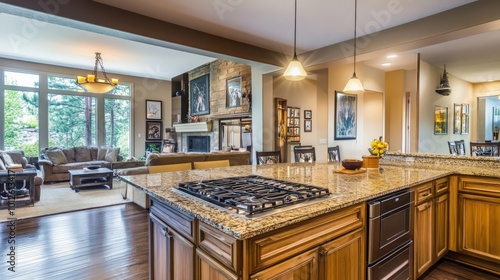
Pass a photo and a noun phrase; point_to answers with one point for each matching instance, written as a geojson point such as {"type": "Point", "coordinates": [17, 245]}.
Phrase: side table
{"type": "Point", "coordinates": [18, 188]}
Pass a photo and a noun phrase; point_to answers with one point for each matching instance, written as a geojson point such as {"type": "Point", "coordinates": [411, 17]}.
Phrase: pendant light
{"type": "Point", "coordinates": [354, 85]}
{"type": "Point", "coordinates": [295, 71]}
{"type": "Point", "coordinates": [95, 84]}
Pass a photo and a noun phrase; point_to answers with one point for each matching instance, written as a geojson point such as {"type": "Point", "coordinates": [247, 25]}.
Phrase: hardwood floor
{"type": "Point", "coordinates": [450, 270]}
{"type": "Point", "coordinates": [102, 243]}
{"type": "Point", "coordinates": [112, 243]}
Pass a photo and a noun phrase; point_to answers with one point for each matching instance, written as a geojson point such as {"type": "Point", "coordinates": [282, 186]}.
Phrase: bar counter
{"type": "Point", "coordinates": [396, 172]}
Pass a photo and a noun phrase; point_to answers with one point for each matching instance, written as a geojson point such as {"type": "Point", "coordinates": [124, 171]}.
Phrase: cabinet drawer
{"type": "Point", "coordinates": [273, 247]}
{"type": "Point", "coordinates": [183, 224]}
{"type": "Point", "coordinates": [424, 192]}
{"type": "Point", "coordinates": [441, 186]}
{"type": "Point", "coordinates": [479, 185]}
{"type": "Point", "coordinates": [220, 246]}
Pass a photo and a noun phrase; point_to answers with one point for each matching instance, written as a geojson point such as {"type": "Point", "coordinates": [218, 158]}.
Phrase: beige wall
{"type": "Point", "coordinates": [462, 92]}
{"type": "Point", "coordinates": [302, 94]}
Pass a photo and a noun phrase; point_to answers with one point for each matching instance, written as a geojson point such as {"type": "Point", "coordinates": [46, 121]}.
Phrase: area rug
{"type": "Point", "coordinates": [60, 198]}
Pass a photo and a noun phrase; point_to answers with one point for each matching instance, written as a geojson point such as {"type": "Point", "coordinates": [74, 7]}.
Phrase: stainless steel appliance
{"type": "Point", "coordinates": [390, 236]}
{"type": "Point", "coordinates": [252, 195]}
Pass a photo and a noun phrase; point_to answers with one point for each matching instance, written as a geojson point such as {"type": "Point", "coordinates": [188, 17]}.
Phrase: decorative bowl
{"type": "Point", "coordinates": [93, 167]}
{"type": "Point", "coordinates": [352, 164]}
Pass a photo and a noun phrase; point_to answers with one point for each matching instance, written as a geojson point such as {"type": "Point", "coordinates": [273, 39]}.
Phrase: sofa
{"type": "Point", "coordinates": [55, 162]}
{"type": "Point", "coordinates": [17, 157]}
{"type": "Point", "coordinates": [154, 159]}
{"type": "Point", "coordinates": [178, 161]}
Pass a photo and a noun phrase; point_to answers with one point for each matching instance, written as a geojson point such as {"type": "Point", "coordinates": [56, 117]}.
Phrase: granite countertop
{"type": "Point", "coordinates": [346, 189]}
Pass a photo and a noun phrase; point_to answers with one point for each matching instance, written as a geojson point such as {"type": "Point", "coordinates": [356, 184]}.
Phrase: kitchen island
{"type": "Point", "coordinates": [219, 242]}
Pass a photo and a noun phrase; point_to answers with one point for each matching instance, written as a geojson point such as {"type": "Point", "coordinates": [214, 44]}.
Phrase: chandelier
{"type": "Point", "coordinates": [94, 83]}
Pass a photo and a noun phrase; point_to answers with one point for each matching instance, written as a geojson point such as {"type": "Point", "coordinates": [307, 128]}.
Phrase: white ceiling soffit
{"type": "Point", "coordinates": [42, 42]}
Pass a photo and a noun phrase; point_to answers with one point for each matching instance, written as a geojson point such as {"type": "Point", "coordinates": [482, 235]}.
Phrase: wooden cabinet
{"type": "Point", "coordinates": [479, 220]}
{"type": "Point", "coordinates": [442, 220]}
{"type": "Point", "coordinates": [431, 219]}
{"type": "Point", "coordinates": [172, 254]}
{"type": "Point", "coordinates": [337, 239]}
{"type": "Point", "coordinates": [423, 237]}
{"type": "Point", "coordinates": [335, 257]}
{"type": "Point", "coordinates": [330, 246]}
{"type": "Point", "coordinates": [301, 267]}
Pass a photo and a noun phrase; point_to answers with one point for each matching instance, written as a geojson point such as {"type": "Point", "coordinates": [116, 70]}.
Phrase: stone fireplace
{"type": "Point", "coordinates": [198, 144]}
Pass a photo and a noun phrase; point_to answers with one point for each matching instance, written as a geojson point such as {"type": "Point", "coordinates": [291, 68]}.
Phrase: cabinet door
{"type": "Point", "coordinates": [343, 258]}
{"type": "Point", "coordinates": [300, 267]}
{"type": "Point", "coordinates": [171, 255]}
{"type": "Point", "coordinates": [441, 204]}
{"type": "Point", "coordinates": [210, 269]}
{"type": "Point", "coordinates": [478, 226]}
{"type": "Point", "coordinates": [423, 237]}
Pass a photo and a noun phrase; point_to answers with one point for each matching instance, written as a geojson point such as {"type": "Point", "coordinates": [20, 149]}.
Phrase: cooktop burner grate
{"type": "Point", "coordinates": [253, 194]}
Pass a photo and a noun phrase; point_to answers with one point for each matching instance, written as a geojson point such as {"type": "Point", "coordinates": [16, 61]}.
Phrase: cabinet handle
{"type": "Point", "coordinates": [322, 252]}
{"type": "Point", "coordinates": [426, 194]}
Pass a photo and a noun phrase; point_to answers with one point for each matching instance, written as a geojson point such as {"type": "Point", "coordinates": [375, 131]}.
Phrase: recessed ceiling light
{"type": "Point", "coordinates": [386, 64]}
{"type": "Point", "coordinates": [392, 56]}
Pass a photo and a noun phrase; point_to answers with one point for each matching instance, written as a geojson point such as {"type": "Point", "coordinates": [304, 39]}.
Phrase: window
{"type": "Point", "coordinates": [72, 114]}
{"type": "Point", "coordinates": [21, 79]}
{"type": "Point", "coordinates": [117, 124]}
{"type": "Point", "coordinates": [72, 120]}
{"type": "Point", "coordinates": [21, 122]}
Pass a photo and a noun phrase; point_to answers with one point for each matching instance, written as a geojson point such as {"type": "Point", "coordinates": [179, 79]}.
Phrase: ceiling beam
{"type": "Point", "coordinates": [96, 17]}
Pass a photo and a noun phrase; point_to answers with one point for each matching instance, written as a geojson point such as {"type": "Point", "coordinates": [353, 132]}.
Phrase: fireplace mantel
{"type": "Point", "coordinates": [193, 127]}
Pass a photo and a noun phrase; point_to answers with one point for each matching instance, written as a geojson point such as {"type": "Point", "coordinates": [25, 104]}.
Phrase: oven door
{"type": "Point", "coordinates": [395, 266]}
{"type": "Point", "coordinates": [389, 225]}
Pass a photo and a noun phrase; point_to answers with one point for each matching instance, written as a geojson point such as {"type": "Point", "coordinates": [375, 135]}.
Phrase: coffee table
{"type": "Point", "coordinates": [81, 178]}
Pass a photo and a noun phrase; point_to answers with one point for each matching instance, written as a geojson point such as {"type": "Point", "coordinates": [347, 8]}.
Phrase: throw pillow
{"type": "Point", "coordinates": [16, 156]}
{"type": "Point", "coordinates": [112, 154]}
{"type": "Point", "coordinates": [101, 153]}
{"type": "Point", "coordinates": [70, 154]}
{"type": "Point", "coordinates": [57, 157]}
{"type": "Point", "coordinates": [7, 159]}
{"type": "Point", "coordinates": [82, 154]}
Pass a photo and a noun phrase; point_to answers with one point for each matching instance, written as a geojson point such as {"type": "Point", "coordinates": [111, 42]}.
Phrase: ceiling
{"type": "Point", "coordinates": [266, 24]}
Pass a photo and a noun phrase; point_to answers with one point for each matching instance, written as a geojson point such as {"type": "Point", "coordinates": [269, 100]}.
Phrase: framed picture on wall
{"type": "Point", "coordinates": [461, 119]}
{"type": "Point", "coordinates": [440, 120]}
{"type": "Point", "coordinates": [234, 96]}
{"type": "Point", "coordinates": [307, 125]}
{"type": "Point", "coordinates": [307, 114]}
{"type": "Point", "coordinates": [199, 95]}
{"type": "Point", "coordinates": [345, 116]}
{"type": "Point", "coordinates": [154, 131]}
{"type": "Point", "coordinates": [153, 109]}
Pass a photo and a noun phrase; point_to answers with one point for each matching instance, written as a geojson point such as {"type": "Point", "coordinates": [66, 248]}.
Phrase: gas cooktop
{"type": "Point", "coordinates": [251, 195]}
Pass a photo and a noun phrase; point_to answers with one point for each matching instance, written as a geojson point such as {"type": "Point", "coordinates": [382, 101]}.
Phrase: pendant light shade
{"type": "Point", "coordinates": [95, 84]}
{"type": "Point", "coordinates": [295, 71]}
{"type": "Point", "coordinates": [354, 85]}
